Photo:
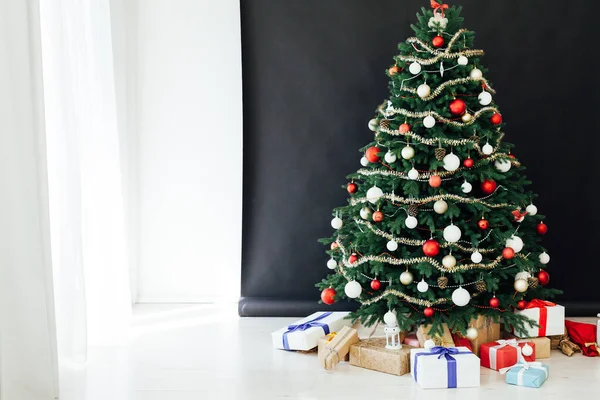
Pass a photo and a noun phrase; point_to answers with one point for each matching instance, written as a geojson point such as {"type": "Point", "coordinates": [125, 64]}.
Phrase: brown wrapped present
{"type": "Point", "coordinates": [542, 344]}
{"type": "Point", "coordinates": [372, 354]}
{"type": "Point", "coordinates": [564, 344]}
{"type": "Point", "coordinates": [445, 340]}
{"type": "Point", "coordinates": [337, 347]}
{"type": "Point", "coordinates": [488, 331]}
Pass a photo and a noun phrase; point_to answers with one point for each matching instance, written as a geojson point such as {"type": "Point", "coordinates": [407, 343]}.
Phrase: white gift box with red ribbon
{"type": "Point", "coordinates": [549, 316]}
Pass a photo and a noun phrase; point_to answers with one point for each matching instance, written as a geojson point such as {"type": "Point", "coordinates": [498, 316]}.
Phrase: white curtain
{"type": "Point", "coordinates": [28, 359]}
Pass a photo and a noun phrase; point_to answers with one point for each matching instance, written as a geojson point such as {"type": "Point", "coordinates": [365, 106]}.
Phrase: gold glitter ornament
{"type": "Point", "coordinates": [442, 282]}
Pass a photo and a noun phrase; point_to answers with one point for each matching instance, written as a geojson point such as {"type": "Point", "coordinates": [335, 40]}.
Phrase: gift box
{"type": "Point", "coordinates": [549, 316]}
{"type": "Point", "coordinates": [326, 339]}
{"type": "Point", "coordinates": [336, 348]}
{"type": "Point", "coordinates": [412, 340]}
{"type": "Point", "coordinates": [460, 341]}
{"type": "Point", "coordinates": [304, 334]}
{"type": "Point", "coordinates": [527, 374]}
{"type": "Point", "coordinates": [564, 344]}
{"type": "Point", "coordinates": [445, 340]}
{"type": "Point", "coordinates": [487, 331]}
{"type": "Point", "coordinates": [372, 354]}
{"type": "Point", "coordinates": [504, 353]}
{"type": "Point", "coordinates": [542, 345]}
{"type": "Point", "coordinates": [442, 367]}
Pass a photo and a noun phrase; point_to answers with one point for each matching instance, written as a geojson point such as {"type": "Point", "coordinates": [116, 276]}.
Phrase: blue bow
{"type": "Point", "coordinates": [447, 353]}
{"type": "Point", "coordinates": [304, 326]}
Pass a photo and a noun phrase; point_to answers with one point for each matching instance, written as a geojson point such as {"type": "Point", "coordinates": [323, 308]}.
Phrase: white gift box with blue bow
{"type": "Point", "coordinates": [303, 335]}
{"type": "Point", "coordinates": [441, 367]}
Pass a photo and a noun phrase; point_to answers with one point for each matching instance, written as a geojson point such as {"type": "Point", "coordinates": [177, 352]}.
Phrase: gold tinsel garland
{"type": "Point", "coordinates": [393, 111]}
{"type": "Point", "coordinates": [453, 82]}
{"type": "Point", "coordinates": [403, 200]}
{"type": "Point", "coordinates": [439, 55]}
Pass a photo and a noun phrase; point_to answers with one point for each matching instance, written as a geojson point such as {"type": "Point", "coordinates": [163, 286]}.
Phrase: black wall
{"type": "Point", "coordinates": [313, 74]}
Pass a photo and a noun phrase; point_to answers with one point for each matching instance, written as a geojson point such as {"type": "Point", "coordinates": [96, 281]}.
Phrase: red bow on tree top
{"type": "Point", "coordinates": [437, 6]}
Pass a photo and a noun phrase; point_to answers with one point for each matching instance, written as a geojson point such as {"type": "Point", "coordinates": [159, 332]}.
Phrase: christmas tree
{"type": "Point", "coordinates": [440, 226]}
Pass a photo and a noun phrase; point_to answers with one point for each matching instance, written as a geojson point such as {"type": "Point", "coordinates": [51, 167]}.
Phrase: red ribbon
{"type": "Point", "coordinates": [541, 304]}
{"type": "Point", "coordinates": [437, 6]}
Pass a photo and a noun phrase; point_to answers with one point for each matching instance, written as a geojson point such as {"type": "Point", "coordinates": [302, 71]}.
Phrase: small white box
{"type": "Point", "coordinates": [555, 321]}
{"type": "Point", "coordinates": [431, 371]}
{"type": "Point", "coordinates": [307, 335]}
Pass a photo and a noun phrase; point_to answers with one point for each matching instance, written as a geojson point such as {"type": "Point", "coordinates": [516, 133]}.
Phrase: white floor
{"type": "Point", "coordinates": [201, 352]}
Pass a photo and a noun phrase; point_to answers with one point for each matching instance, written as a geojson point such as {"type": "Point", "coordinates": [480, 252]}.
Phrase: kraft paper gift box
{"type": "Point", "coordinates": [337, 347]}
{"type": "Point", "coordinates": [504, 353]}
{"type": "Point", "coordinates": [445, 340]}
{"type": "Point", "coordinates": [304, 334]}
{"type": "Point", "coordinates": [326, 339]}
{"type": "Point", "coordinates": [372, 354]}
{"type": "Point", "coordinates": [527, 374]}
{"type": "Point", "coordinates": [549, 316]}
{"type": "Point", "coordinates": [542, 345]}
{"type": "Point", "coordinates": [440, 367]}
{"type": "Point", "coordinates": [487, 331]}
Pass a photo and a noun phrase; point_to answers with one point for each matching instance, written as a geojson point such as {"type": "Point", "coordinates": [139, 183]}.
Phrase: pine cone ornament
{"type": "Point", "coordinates": [385, 124]}
{"type": "Point", "coordinates": [533, 282]}
{"type": "Point", "coordinates": [440, 153]}
{"type": "Point", "coordinates": [442, 282]}
{"type": "Point", "coordinates": [413, 210]}
{"type": "Point", "coordinates": [481, 286]}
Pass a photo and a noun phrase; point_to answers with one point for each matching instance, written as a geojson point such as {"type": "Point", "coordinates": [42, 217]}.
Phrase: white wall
{"type": "Point", "coordinates": [188, 108]}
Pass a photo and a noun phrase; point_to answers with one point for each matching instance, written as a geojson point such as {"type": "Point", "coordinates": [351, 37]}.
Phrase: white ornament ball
{"type": "Point", "coordinates": [390, 157]}
{"type": "Point", "coordinates": [527, 350]}
{"type": "Point", "coordinates": [331, 264]}
{"type": "Point", "coordinates": [364, 162]}
{"type": "Point", "coordinates": [440, 206]}
{"type": "Point", "coordinates": [476, 257]}
{"type": "Point", "coordinates": [429, 344]}
{"type": "Point", "coordinates": [373, 124]}
{"type": "Point", "coordinates": [451, 162]}
{"type": "Point", "coordinates": [408, 153]}
{"type": "Point", "coordinates": [374, 194]}
{"type": "Point", "coordinates": [429, 121]}
{"type": "Point", "coordinates": [406, 278]}
{"type": "Point", "coordinates": [449, 261]}
{"type": "Point", "coordinates": [522, 275]}
{"type": "Point", "coordinates": [485, 98]}
{"type": "Point", "coordinates": [476, 73]}
{"type": "Point", "coordinates": [472, 333]}
{"type": "Point", "coordinates": [521, 285]}
{"type": "Point", "coordinates": [353, 289]}
{"type": "Point", "coordinates": [422, 286]}
{"type": "Point", "coordinates": [487, 149]}
{"type": "Point", "coordinates": [415, 68]}
{"type": "Point", "coordinates": [392, 245]}
{"type": "Point", "coordinates": [466, 187]}
{"type": "Point", "coordinates": [462, 60]}
{"type": "Point", "coordinates": [337, 223]}
{"type": "Point", "coordinates": [544, 258]}
{"type": "Point", "coordinates": [531, 209]}
{"type": "Point", "coordinates": [413, 174]}
{"type": "Point", "coordinates": [466, 117]}
{"type": "Point", "coordinates": [423, 90]}
{"type": "Point", "coordinates": [390, 318]}
{"type": "Point", "coordinates": [411, 222]}
{"type": "Point", "coordinates": [515, 242]}
{"type": "Point", "coordinates": [461, 297]}
{"type": "Point", "coordinates": [503, 165]}
{"type": "Point", "coordinates": [452, 233]}
{"type": "Point", "coordinates": [365, 213]}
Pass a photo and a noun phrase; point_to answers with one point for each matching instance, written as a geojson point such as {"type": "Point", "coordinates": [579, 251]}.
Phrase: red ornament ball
{"type": "Point", "coordinates": [521, 304]}
{"type": "Point", "coordinates": [375, 284]}
{"type": "Point", "coordinates": [371, 154]}
{"type": "Point", "coordinates": [428, 312]}
{"type": "Point", "coordinates": [508, 253]}
{"type": "Point", "coordinates": [353, 258]}
{"type": "Point", "coordinates": [543, 277]}
{"type": "Point", "coordinates": [457, 107]}
{"type": "Point", "coordinates": [377, 216]}
{"type": "Point", "coordinates": [404, 128]}
{"type": "Point", "coordinates": [437, 41]}
{"type": "Point", "coordinates": [494, 302]}
{"type": "Point", "coordinates": [435, 181]}
{"type": "Point", "coordinates": [496, 119]}
{"type": "Point", "coordinates": [488, 186]}
{"type": "Point", "coordinates": [468, 162]}
{"type": "Point", "coordinates": [512, 156]}
{"type": "Point", "coordinates": [334, 245]}
{"type": "Point", "coordinates": [393, 70]}
{"type": "Point", "coordinates": [431, 248]}
{"type": "Point", "coordinates": [352, 187]}
{"type": "Point", "coordinates": [483, 224]}
{"type": "Point", "coordinates": [328, 296]}
{"type": "Point", "coordinates": [541, 228]}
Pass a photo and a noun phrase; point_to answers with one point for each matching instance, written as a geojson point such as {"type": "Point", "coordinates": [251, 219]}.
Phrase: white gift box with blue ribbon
{"type": "Point", "coordinates": [441, 367]}
{"type": "Point", "coordinates": [304, 334]}
{"type": "Point", "coordinates": [530, 374]}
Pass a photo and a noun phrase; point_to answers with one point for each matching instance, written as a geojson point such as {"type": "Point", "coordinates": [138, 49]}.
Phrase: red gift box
{"type": "Point", "coordinates": [460, 341]}
{"type": "Point", "coordinates": [504, 353]}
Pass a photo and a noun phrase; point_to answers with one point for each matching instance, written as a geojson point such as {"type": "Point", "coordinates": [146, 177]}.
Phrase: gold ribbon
{"type": "Point", "coordinates": [330, 336]}
{"type": "Point", "coordinates": [333, 358]}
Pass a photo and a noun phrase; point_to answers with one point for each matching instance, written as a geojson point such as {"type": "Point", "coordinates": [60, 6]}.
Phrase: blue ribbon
{"type": "Point", "coordinates": [306, 325]}
{"type": "Point", "coordinates": [447, 353]}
